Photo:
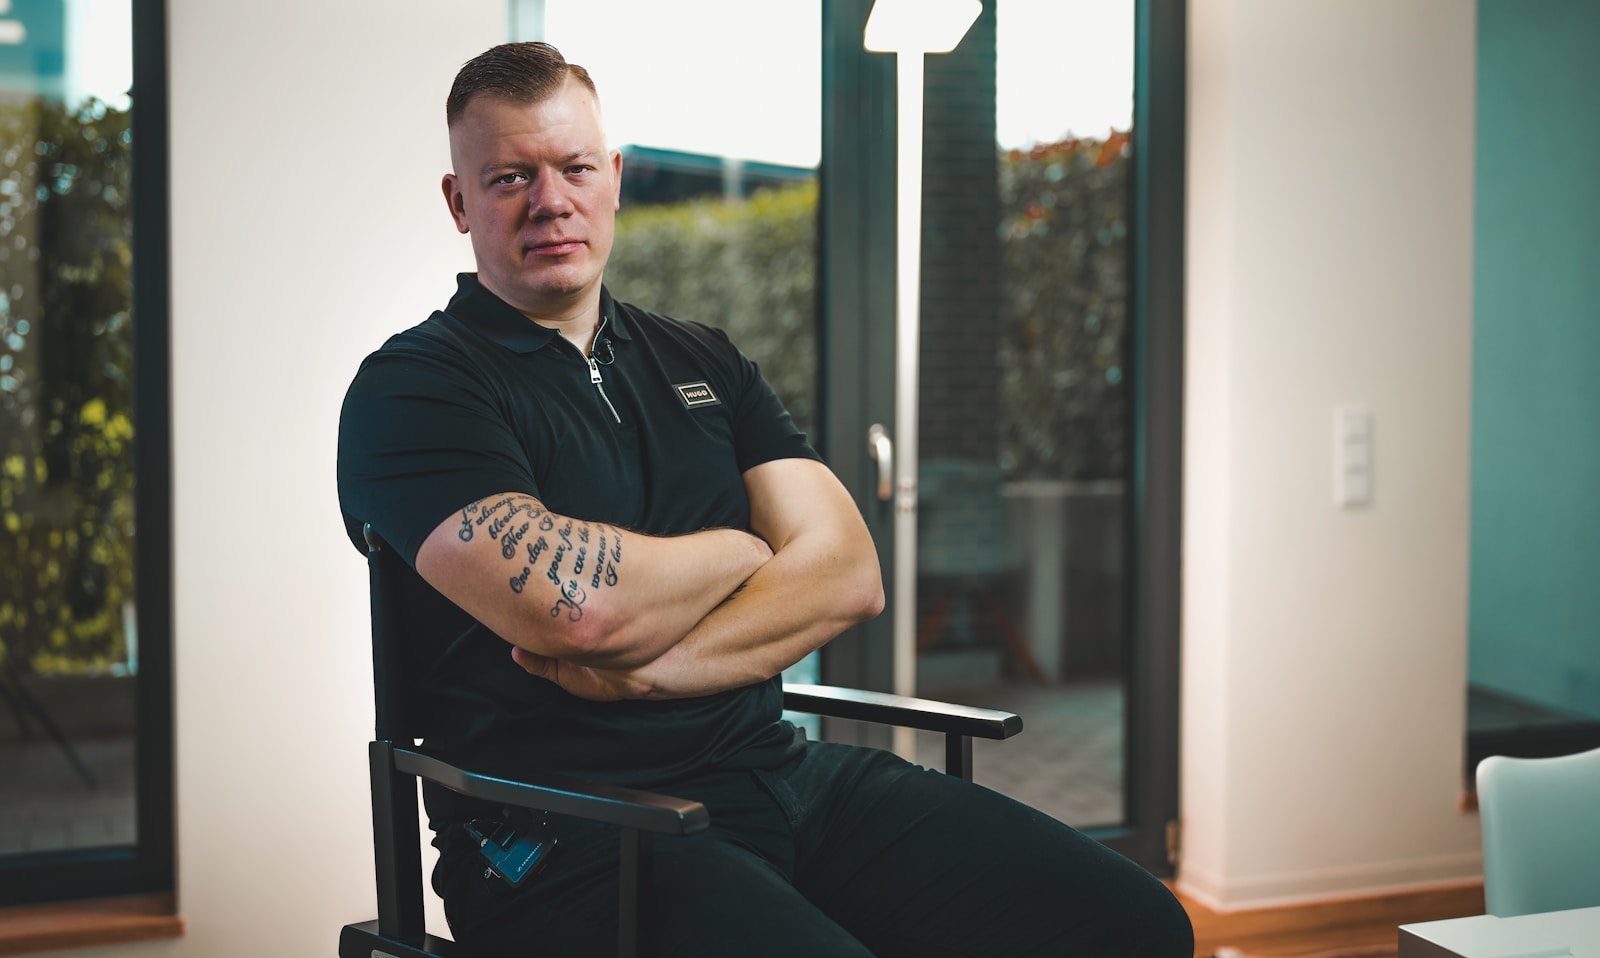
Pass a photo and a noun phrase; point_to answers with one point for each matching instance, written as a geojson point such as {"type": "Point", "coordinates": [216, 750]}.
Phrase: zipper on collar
{"type": "Point", "coordinates": [594, 377]}
{"type": "Point", "coordinates": [594, 370]}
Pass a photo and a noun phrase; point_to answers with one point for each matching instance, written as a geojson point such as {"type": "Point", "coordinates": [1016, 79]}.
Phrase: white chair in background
{"type": "Point", "coordinates": [1541, 832]}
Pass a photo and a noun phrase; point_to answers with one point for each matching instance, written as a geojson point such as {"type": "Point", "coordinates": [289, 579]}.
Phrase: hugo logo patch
{"type": "Point", "coordinates": [696, 394]}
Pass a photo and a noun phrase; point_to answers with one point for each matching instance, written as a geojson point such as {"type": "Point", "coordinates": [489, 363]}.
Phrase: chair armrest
{"type": "Point", "coordinates": [611, 804]}
{"type": "Point", "coordinates": [901, 710]}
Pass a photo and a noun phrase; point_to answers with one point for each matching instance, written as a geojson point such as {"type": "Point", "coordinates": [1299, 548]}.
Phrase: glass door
{"type": "Point", "coordinates": [1022, 509]}
{"type": "Point", "coordinates": [1023, 530]}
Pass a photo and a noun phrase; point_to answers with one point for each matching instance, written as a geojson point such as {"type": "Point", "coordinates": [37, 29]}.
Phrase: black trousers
{"type": "Point", "coordinates": [844, 851]}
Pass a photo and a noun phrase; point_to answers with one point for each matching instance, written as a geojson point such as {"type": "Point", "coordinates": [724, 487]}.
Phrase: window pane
{"type": "Point", "coordinates": [1023, 514]}
{"type": "Point", "coordinates": [68, 650]}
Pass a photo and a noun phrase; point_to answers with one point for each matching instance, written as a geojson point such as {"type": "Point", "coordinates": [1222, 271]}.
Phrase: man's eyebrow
{"type": "Point", "coordinates": [519, 166]}
{"type": "Point", "coordinates": [493, 167]}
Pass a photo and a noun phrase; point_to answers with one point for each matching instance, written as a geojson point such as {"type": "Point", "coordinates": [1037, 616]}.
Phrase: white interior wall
{"type": "Point", "coordinates": [307, 225]}
{"type": "Point", "coordinates": [1330, 262]}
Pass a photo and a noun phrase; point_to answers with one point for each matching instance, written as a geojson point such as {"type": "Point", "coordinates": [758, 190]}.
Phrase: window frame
{"type": "Point", "coordinates": [149, 865]}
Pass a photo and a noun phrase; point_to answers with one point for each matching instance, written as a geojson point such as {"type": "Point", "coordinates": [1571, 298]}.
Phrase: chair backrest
{"type": "Point", "coordinates": [406, 612]}
{"type": "Point", "coordinates": [1541, 832]}
{"type": "Point", "coordinates": [389, 677]}
{"type": "Point", "coordinates": [396, 835]}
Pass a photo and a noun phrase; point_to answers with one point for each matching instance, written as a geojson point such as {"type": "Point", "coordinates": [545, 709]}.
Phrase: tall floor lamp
{"type": "Point", "coordinates": [910, 29]}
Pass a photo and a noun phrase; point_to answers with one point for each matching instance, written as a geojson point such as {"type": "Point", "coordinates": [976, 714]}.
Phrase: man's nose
{"type": "Point", "coordinates": [548, 198]}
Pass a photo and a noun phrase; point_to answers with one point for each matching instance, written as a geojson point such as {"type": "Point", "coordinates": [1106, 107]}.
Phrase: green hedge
{"type": "Point", "coordinates": [1062, 347]}
{"type": "Point", "coordinates": [749, 267]}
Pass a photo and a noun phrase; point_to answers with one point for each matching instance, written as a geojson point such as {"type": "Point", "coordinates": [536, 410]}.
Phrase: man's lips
{"type": "Point", "coordinates": [557, 248]}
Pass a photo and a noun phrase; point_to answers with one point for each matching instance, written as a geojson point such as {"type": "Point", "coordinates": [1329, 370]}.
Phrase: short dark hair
{"type": "Point", "coordinates": [519, 72]}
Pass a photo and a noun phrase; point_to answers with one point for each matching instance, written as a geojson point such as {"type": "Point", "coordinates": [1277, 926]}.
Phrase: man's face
{"type": "Point", "coordinates": [537, 191]}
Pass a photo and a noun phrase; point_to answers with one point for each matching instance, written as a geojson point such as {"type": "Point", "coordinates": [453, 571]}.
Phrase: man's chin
{"type": "Point", "coordinates": [547, 294]}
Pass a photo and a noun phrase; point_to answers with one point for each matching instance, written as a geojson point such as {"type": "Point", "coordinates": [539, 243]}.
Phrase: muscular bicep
{"type": "Point", "coordinates": [536, 578]}
{"type": "Point", "coordinates": [800, 508]}
{"type": "Point", "coordinates": [790, 497]}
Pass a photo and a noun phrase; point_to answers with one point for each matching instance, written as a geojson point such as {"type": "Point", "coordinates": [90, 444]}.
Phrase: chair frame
{"type": "Point", "coordinates": [396, 764]}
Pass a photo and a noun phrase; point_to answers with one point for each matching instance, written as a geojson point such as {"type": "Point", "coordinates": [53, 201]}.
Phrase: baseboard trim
{"type": "Point", "coordinates": [1324, 884]}
{"type": "Point", "coordinates": [1327, 924]}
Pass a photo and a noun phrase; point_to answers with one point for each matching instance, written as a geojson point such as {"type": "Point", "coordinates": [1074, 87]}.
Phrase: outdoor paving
{"type": "Point", "coordinates": [1068, 760]}
{"type": "Point", "coordinates": [45, 805]}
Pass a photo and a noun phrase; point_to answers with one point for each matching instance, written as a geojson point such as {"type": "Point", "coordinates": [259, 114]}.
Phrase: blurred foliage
{"type": "Point", "coordinates": [66, 395]}
{"type": "Point", "coordinates": [1063, 344]}
{"type": "Point", "coordinates": [747, 267]}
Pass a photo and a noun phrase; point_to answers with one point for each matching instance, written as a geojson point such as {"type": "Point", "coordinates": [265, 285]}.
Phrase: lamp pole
{"type": "Point", "coordinates": [910, 29]}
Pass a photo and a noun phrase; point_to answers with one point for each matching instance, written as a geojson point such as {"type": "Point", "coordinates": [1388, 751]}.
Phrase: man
{"type": "Point", "coordinates": [620, 539]}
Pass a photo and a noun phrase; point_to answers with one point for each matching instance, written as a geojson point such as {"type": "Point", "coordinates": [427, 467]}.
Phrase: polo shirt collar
{"type": "Point", "coordinates": [501, 322]}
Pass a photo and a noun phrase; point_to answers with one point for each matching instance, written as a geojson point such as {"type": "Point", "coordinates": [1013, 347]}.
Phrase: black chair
{"type": "Point", "coordinates": [396, 763]}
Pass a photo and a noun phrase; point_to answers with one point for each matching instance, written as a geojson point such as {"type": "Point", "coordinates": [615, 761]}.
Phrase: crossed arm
{"type": "Point", "coordinates": [609, 614]}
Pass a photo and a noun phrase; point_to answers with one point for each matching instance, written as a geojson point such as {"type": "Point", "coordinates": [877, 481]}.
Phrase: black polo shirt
{"type": "Point", "coordinates": [479, 400]}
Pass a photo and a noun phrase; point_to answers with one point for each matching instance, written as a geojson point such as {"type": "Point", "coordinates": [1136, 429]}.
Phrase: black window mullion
{"type": "Point", "coordinates": [153, 450]}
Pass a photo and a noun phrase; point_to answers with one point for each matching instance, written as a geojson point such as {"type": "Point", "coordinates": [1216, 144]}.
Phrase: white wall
{"type": "Point", "coordinates": [1330, 262]}
{"type": "Point", "coordinates": [307, 144]}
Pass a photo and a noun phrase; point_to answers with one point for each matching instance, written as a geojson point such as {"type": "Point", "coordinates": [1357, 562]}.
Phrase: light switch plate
{"type": "Point", "coordinates": [1352, 456]}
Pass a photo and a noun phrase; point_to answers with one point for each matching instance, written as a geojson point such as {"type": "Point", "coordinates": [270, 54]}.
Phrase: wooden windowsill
{"type": "Point", "coordinates": [28, 929]}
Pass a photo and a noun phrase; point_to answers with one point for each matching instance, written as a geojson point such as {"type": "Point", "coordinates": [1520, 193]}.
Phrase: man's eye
{"type": "Point", "coordinates": [507, 178]}
{"type": "Point", "coordinates": [578, 169]}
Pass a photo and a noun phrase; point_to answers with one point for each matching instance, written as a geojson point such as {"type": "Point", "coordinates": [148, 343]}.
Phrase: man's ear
{"type": "Point", "coordinates": [616, 180]}
{"type": "Point", "coordinates": [456, 200]}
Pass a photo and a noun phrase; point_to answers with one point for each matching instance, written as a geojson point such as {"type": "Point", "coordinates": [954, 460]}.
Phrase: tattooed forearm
{"type": "Point", "coordinates": [509, 541]}
{"type": "Point", "coordinates": [477, 514]}
{"type": "Point", "coordinates": [554, 572]}
{"type": "Point", "coordinates": [571, 601]}
{"type": "Point", "coordinates": [577, 558]}
{"type": "Point", "coordinates": [600, 560]}
{"type": "Point", "coordinates": [467, 514]}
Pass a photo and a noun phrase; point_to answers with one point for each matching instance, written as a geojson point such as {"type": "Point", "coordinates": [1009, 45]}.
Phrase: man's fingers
{"type": "Point", "coordinates": [533, 663]}
{"type": "Point", "coordinates": [596, 685]}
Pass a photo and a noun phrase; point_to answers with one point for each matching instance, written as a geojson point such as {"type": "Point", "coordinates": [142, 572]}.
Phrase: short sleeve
{"type": "Point", "coordinates": [763, 430]}
{"type": "Point", "coordinates": [421, 436]}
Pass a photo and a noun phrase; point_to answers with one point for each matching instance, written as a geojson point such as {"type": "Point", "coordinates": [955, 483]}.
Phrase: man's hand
{"type": "Point", "coordinates": [596, 685]}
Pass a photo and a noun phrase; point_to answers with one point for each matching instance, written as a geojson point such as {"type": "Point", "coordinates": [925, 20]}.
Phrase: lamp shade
{"type": "Point", "coordinates": [919, 26]}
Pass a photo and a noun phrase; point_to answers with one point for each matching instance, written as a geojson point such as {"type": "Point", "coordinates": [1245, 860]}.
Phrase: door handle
{"type": "Point", "coordinates": [882, 449]}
